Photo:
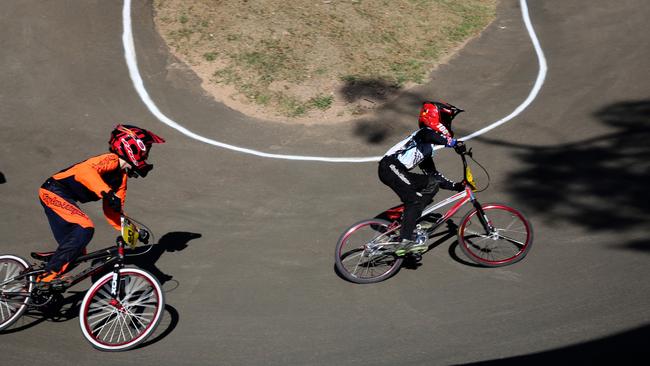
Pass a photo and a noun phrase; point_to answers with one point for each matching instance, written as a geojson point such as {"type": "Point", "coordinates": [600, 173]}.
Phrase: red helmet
{"type": "Point", "coordinates": [133, 145]}
{"type": "Point", "coordinates": [438, 116]}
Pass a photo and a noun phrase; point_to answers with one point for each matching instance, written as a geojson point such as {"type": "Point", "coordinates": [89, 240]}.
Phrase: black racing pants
{"type": "Point", "coordinates": [408, 187]}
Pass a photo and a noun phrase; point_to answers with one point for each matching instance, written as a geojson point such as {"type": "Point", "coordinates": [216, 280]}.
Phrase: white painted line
{"type": "Point", "coordinates": [134, 72]}
{"type": "Point", "coordinates": [541, 76]}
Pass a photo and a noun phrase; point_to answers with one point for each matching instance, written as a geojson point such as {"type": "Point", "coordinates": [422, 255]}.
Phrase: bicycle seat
{"type": "Point", "coordinates": [42, 256]}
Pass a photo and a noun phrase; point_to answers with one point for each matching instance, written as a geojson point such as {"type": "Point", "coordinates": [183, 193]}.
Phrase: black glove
{"type": "Point", "coordinates": [143, 236]}
{"type": "Point", "coordinates": [112, 200]}
{"type": "Point", "coordinates": [458, 186]}
{"type": "Point", "coordinates": [460, 147]}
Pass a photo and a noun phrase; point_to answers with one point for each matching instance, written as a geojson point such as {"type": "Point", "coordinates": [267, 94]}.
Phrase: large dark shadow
{"type": "Point", "coordinates": [599, 183]}
{"type": "Point", "coordinates": [618, 349]}
{"type": "Point", "coordinates": [146, 258]}
{"type": "Point", "coordinates": [391, 103]}
{"type": "Point", "coordinates": [167, 324]}
{"type": "Point", "coordinates": [60, 308]}
{"type": "Point", "coordinates": [355, 89]}
{"type": "Point", "coordinates": [365, 94]}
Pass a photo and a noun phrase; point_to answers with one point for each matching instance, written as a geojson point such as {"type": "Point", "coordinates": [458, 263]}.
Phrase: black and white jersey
{"type": "Point", "coordinates": [416, 147]}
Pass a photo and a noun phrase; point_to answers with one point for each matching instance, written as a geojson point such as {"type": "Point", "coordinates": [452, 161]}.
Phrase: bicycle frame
{"type": "Point", "coordinates": [112, 256]}
{"type": "Point", "coordinates": [459, 199]}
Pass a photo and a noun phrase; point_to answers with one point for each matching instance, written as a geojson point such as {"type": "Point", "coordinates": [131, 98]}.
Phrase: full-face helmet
{"type": "Point", "coordinates": [438, 116]}
{"type": "Point", "coordinates": [133, 144]}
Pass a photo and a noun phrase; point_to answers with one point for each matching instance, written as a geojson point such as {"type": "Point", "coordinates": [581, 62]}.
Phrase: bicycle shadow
{"type": "Point", "coordinates": [66, 309]}
{"type": "Point", "coordinates": [167, 325]}
{"type": "Point", "coordinates": [59, 309]}
{"type": "Point", "coordinates": [146, 257]}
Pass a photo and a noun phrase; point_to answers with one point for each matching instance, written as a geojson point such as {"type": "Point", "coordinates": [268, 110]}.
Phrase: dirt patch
{"type": "Point", "coordinates": [315, 61]}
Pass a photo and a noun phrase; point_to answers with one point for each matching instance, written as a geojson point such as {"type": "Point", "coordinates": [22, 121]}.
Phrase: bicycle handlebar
{"type": "Point", "coordinates": [466, 171]}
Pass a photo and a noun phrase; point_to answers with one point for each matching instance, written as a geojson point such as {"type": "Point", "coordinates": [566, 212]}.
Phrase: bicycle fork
{"type": "Point", "coordinates": [116, 284]}
{"type": "Point", "coordinates": [482, 217]}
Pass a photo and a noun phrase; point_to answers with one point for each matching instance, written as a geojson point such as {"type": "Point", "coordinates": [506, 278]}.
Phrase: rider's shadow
{"type": "Point", "coordinates": [146, 257]}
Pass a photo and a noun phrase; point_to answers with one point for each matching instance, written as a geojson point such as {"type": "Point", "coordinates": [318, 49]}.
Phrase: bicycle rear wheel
{"type": "Point", "coordinates": [365, 252]}
{"type": "Point", "coordinates": [508, 243]}
{"type": "Point", "coordinates": [14, 294]}
{"type": "Point", "coordinates": [124, 322]}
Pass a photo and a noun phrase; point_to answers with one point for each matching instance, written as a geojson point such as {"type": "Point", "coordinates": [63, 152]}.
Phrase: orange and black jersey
{"type": "Point", "coordinates": [87, 180]}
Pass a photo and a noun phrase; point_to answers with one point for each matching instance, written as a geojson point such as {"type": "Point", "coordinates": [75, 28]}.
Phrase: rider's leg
{"type": "Point", "coordinates": [407, 186]}
{"type": "Point", "coordinates": [71, 227]}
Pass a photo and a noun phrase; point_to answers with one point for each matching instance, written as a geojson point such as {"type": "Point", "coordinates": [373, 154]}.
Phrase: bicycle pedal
{"type": "Point", "coordinates": [417, 257]}
{"type": "Point", "coordinates": [59, 286]}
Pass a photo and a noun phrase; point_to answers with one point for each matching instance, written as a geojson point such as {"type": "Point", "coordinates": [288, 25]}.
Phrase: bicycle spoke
{"type": "Point", "coordinates": [14, 289]}
{"type": "Point", "coordinates": [114, 327]}
{"type": "Point", "coordinates": [136, 326]}
{"type": "Point", "coordinates": [103, 316]}
{"type": "Point", "coordinates": [122, 326]}
{"type": "Point", "coordinates": [128, 326]}
{"type": "Point", "coordinates": [2, 311]}
{"type": "Point", "coordinates": [518, 243]}
{"type": "Point", "coordinates": [108, 325]}
{"type": "Point", "coordinates": [140, 319]}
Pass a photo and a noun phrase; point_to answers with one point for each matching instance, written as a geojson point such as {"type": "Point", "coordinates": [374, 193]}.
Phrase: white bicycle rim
{"type": "Point", "coordinates": [4, 306]}
{"type": "Point", "coordinates": [96, 287]}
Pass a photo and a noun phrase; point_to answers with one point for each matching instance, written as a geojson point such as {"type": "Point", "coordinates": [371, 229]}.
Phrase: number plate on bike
{"type": "Point", "coordinates": [130, 235]}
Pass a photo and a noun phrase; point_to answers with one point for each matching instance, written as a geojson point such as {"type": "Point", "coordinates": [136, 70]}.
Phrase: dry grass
{"type": "Point", "coordinates": [292, 58]}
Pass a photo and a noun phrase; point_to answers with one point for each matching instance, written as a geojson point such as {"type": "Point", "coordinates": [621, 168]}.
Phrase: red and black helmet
{"type": "Point", "coordinates": [133, 145]}
{"type": "Point", "coordinates": [438, 116]}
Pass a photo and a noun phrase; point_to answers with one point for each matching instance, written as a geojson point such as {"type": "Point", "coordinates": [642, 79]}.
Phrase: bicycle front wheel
{"type": "Point", "coordinates": [121, 323]}
{"type": "Point", "coordinates": [508, 242]}
{"type": "Point", "coordinates": [15, 294]}
{"type": "Point", "coordinates": [365, 253]}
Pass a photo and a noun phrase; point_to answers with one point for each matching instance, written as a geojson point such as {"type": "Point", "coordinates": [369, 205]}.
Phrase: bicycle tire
{"type": "Point", "coordinates": [361, 269]}
{"type": "Point", "coordinates": [510, 243]}
{"type": "Point", "coordinates": [13, 306]}
{"type": "Point", "coordinates": [139, 310]}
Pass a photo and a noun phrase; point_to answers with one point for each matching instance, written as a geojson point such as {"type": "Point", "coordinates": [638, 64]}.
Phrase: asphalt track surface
{"type": "Point", "coordinates": [249, 241]}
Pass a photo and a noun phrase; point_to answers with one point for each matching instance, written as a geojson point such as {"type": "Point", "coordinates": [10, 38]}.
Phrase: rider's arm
{"type": "Point", "coordinates": [427, 166]}
{"type": "Point", "coordinates": [443, 181]}
{"type": "Point", "coordinates": [112, 216]}
{"type": "Point", "coordinates": [429, 136]}
{"type": "Point", "coordinates": [431, 170]}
